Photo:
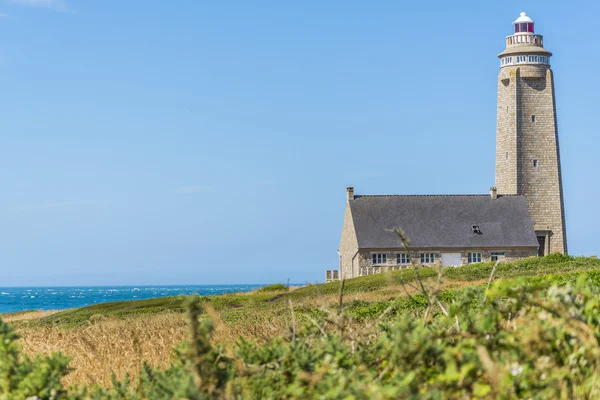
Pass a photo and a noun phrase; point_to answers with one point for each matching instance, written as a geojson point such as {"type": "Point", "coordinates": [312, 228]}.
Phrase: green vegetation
{"type": "Point", "coordinates": [555, 268]}
{"type": "Point", "coordinates": [276, 287]}
{"type": "Point", "coordinates": [119, 309]}
{"type": "Point", "coordinates": [534, 333]}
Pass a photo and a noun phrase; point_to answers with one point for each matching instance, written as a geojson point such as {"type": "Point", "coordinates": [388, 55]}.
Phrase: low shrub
{"type": "Point", "coordinates": [276, 287]}
{"type": "Point", "coordinates": [532, 337]}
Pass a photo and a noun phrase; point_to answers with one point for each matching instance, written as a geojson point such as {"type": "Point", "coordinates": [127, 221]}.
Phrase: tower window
{"type": "Point", "coordinates": [535, 163]}
{"type": "Point", "coordinates": [533, 118]}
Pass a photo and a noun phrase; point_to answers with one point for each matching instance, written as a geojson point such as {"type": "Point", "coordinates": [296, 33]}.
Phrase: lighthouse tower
{"type": "Point", "coordinates": [527, 152]}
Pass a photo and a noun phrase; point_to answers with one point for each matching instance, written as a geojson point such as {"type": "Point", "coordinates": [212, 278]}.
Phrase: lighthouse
{"type": "Point", "coordinates": [527, 150]}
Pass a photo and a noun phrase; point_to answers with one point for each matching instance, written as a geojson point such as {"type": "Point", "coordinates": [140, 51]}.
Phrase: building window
{"type": "Point", "coordinates": [535, 163]}
{"type": "Point", "coordinates": [533, 118]}
{"type": "Point", "coordinates": [498, 256]}
{"type": "Point", "coordinates": [379, 258]}
{"type": "Point", "coordinates": [474, 258]}
{"type": "Point", "coordinates": [402, 258]}
{"type": "Point", "coordinates": [427, 258]}
{"type": "Point", "coordinates": [505, 61]}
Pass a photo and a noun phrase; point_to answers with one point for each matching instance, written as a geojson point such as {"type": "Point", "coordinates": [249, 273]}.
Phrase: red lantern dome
{"type": "Point", "coordinates": [524, 24]}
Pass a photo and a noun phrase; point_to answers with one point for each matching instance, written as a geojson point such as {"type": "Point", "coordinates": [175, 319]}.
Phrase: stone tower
{"type": "Point", "coordinates": [527, 153]}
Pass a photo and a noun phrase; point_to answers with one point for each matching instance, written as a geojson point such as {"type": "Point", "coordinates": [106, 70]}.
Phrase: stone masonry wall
{"type": "Point", "coordinates": [365, 264]}
{"type": "Point", "coordinates": [527, 152]}
{"type": "Point", "coordinates": [348, 247]}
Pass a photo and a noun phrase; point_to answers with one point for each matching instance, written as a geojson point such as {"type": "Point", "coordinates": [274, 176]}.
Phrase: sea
{"type": "Point", "coordinates": [16, 299]}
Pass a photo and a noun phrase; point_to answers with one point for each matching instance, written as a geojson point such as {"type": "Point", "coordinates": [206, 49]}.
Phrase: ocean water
{"type": "Point", "coordinates": [59, 298]}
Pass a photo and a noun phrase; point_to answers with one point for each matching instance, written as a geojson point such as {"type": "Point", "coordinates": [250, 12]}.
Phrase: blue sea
{"type": "Point", "coordinates": [59, 298]}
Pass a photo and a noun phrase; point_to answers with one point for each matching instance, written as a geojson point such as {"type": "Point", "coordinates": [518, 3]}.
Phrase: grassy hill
{"type": "Point", "coordinates": [378, 290]}
{"type": "Point", "coordinates": [117, 337]}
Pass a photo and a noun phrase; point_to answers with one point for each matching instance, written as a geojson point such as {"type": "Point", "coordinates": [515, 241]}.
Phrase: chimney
{"type": "Point", "coordinates": [493, 193]}
{"type": "Point", "coordinates": [350, 192]}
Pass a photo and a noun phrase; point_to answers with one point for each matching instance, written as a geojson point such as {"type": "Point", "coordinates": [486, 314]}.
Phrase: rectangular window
{"type": "Point", "coordinates": [474, 258]}
{"type": "Point", "coordinates": [533, 118]}
{"type": "Point", "coordinates": [379, 258]}
{"type": "Point", "coordinates": [498, 256]}
{"type": "Point", "coordinates": [523, 27]}
{"type": "Point", "coordinates": [402, 258]}
{"type": "Point", "coordinates": [535, 163]}
{"type": "Point", "coordinates": [427, 258]}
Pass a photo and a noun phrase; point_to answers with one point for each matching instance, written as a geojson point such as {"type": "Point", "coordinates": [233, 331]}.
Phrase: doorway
{"type": "Point", "coordinates": [542, 248]}
{"type": "Point", "coordinates": [451, 259]}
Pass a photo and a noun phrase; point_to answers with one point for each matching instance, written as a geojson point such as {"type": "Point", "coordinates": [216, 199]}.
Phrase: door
{"type": "Point", "coordinates": [542, 248]}
{"type": "Point", "coordinates": [451, 259]}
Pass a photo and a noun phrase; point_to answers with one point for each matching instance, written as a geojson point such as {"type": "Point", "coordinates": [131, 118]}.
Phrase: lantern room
{"type": "Point", "coordinates": [524, 24]}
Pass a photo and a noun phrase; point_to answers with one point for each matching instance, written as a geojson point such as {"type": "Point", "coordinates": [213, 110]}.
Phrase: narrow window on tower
{"type": "Point", "coordinates": [533, 118]}
{"type": "Point", "coordinates": [535, 163]}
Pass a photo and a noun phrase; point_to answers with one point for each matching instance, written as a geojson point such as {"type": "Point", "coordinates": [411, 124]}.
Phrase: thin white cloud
{"type": "Point", "coordinates": [59, 5]}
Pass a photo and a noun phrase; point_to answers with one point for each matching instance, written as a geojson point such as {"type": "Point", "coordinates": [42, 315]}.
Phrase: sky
{"type": "Point", "coordinates": [204, 142]}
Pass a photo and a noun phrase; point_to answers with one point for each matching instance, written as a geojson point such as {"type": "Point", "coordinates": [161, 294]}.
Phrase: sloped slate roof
{"type": "Point", "coordinates": [443, 221]}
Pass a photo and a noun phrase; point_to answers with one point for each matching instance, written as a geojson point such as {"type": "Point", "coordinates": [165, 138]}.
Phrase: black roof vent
{"type": "Point", "coordinates": [476, 229]}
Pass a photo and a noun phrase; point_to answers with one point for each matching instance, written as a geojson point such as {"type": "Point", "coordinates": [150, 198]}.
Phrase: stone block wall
{"type": "Point", "coordinates": [348, 247]}
{"type": "Point", "coordinates": [366, 266]}
{"type": "Point", "coordinates": [527, 150]}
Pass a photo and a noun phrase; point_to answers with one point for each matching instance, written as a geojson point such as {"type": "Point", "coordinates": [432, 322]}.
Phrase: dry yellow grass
{"type": "Point", "coordinates": [26, 316]}
{"type": "Point", "coordinates": [108, 346]}
{"type": "Point", "coordinates": [120, 345]}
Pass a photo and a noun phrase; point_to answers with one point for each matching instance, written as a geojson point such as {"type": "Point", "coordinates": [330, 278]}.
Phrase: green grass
{"type": "Point", "coordinates": [363, 310]}
{"type": "Point", "coordinates": [270, 299]}
{"type": "Point", "coordinates": [527, 267]}
{"type": "Point", "coordinates": [276, 287]}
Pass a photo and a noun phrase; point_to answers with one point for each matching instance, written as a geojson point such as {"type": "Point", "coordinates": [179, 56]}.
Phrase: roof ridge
{"type": "Point", "coordinates": [432, 195]}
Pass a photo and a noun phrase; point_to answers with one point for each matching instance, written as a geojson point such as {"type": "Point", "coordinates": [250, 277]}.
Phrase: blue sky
{"type": "Point", "coordinates": [157, 142]}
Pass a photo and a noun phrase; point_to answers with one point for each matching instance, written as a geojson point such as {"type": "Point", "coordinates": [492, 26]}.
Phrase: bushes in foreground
{"type": "Point", "coordinates": [523, 340]}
